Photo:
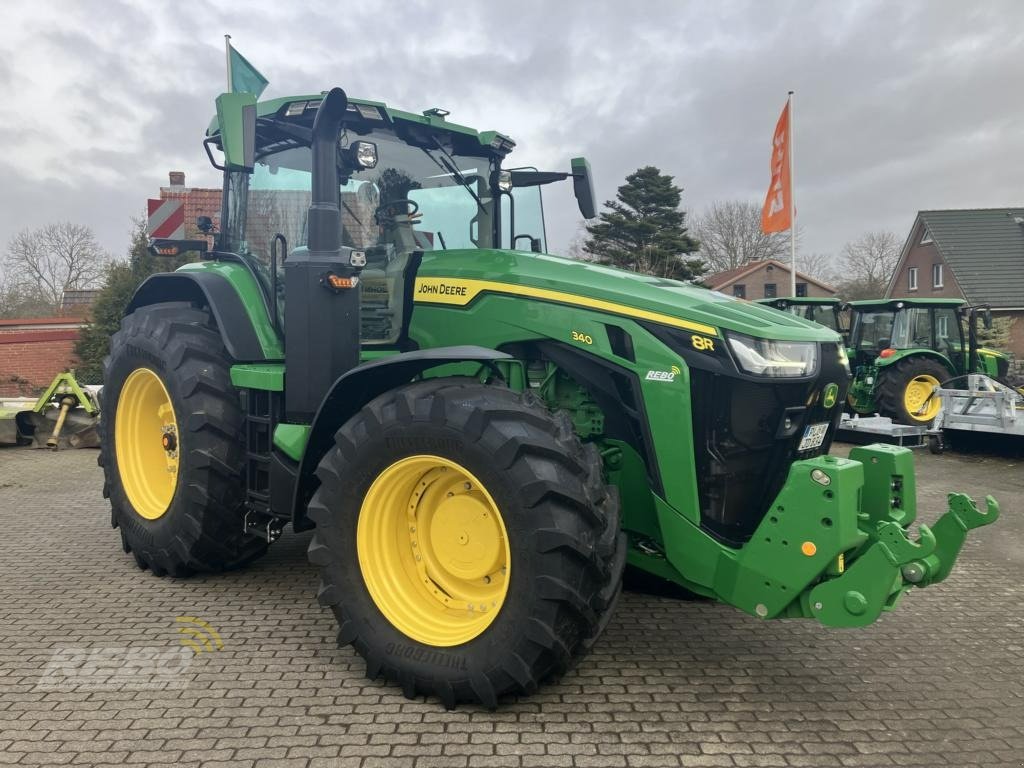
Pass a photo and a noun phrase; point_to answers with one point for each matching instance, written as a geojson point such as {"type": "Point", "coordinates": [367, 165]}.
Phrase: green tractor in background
{"type": "Point", "coordinates": [829, 312]}
{"type": "Point", "coordinates": [485, 447]}
{"type": "Point", "coordinates": [901, 350]}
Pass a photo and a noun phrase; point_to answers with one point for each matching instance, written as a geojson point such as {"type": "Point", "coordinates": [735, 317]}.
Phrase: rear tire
{"type": "Point", "coordinates": [901, 384]}
{"type": "Point", "coordinates": [201, 527]}
{"type": "Point", "coordinates": [560, 524]}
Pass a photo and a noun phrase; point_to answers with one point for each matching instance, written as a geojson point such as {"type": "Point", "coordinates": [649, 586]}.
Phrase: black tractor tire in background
{"type": "Point", "coordinates": [893, 383]}
{"type": "Point", "coordinates": [202, 529]}
{"type": "Point", "coordinates": [562, 522]}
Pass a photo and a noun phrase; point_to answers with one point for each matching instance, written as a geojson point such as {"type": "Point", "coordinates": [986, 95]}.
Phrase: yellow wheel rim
{"type": "Point", "coordinates": [433, 550]}
{"type": "Point", "coordinates": [146, 443]}
{"type": "Point", "coordinates": [918, 400]}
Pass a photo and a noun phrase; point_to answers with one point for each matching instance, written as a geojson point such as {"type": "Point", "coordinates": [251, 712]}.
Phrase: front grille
{"type": "Point", "coordinates": [746, 435]}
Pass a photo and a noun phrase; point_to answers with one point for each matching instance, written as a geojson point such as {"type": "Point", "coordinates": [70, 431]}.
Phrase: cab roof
{"type": "Point", "coordinates": [373, 111]}
{"type": "Point", "coordinates": [794, 301]}
{"type": "Point", "coordinates": [899, 303]}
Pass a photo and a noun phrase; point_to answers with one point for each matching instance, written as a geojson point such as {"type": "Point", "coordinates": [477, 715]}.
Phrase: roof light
{"type": "Point", "coordinates": [369, 112]}
{"type": "Point", "coordinates": [295, 109]}
{"type": "Point", "coordinates": [436, 112]}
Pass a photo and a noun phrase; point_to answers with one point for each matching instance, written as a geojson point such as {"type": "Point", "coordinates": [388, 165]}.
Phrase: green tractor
{"type": "Point", "coordinates": [829, 312]}
{"type": "Point", "coordinates": [482, 435]}
{"type": "Point", "coordinates": [901, 350]}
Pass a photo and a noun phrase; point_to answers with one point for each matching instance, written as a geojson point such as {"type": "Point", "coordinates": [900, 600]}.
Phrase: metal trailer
{"type": "Point", "coordinates": [985, 406]}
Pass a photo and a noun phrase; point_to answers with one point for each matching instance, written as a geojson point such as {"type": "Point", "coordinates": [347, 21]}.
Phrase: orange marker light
{"type": "Point", "coordinates": [889, 352]}
{"type": "Point", "coordinates": [808, 548]}
{"type": "Point", "coordinates": [338, 283]}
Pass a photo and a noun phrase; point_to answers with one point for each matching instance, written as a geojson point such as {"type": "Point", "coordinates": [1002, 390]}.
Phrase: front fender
{"type": "Point", "coordinates": [902, 354]}
{"type": "Point", "coordinates": [355, 389]}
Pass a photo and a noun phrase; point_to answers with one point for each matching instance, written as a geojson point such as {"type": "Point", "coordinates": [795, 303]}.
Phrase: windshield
{"type": "Point", "coordinates": [822, 314]}
{"type": "Point", "coordinates": [872, 330]}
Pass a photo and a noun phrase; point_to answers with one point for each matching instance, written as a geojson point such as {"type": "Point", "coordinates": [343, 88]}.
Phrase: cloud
{"type": "Point", "coordinates": [899, 106]}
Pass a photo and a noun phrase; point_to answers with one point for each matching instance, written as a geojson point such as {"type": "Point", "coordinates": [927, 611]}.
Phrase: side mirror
{"type": "Point", "coordinates": [583, 187]}
{"type": "Point", "coordinates": [236, 116]}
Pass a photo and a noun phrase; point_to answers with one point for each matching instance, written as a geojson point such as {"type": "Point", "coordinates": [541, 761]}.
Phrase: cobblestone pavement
{"type": "Point", "coordinates": [938, 682]}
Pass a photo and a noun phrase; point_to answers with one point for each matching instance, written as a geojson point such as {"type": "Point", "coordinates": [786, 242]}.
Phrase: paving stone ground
{"type": "Point", "coordinates": [938, 682]}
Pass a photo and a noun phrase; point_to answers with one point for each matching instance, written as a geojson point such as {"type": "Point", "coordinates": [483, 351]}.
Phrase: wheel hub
{"type": "Point", "coordinates": [444, 583]}
{"type": "Point", "coordinates": [146, 443]}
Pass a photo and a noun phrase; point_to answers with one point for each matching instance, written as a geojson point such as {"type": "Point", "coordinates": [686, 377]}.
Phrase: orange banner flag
{"type": "Point", "coordinates": [775, 216]}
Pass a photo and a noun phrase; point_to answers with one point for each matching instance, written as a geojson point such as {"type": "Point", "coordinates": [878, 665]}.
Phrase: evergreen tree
{"type": "Point", "coordinates": [121, 280]}
{"type": "Point", "coordinates": [643, 229]}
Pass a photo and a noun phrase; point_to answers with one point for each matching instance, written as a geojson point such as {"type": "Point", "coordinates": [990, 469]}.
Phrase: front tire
{"type": "Point", "coordinates": [172, 444]}
{"type": "Point", "coordinates": [467, 543]}
{"type": "Point", "coordinates": [905, 387]}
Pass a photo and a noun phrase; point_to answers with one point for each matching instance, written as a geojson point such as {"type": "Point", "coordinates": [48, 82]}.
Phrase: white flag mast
{"type": "Point", "coordinates": [227, 59]}
{"type": "Point", "coordinates": [792, 203]}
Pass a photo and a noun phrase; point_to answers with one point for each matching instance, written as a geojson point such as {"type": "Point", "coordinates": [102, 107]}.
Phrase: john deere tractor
{"type": "Point", "coordinates": [482, 435]}
{"type": "Point", "coordinates": [829, 312]}
{"type": "Point", "coordinates": [901, 350]}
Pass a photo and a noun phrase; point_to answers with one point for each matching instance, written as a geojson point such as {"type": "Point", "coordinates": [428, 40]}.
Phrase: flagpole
{"type": "Point", "coordinates": [227, 58]}
{"type": "Point", "coordinates": [792, 204]}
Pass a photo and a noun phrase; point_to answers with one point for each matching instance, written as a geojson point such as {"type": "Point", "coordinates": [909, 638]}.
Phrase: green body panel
{"type": "Point", "coordinates": [269, 376]}
{"type": "Point", "coordinates": [291, 439]}
{"type": "Point", "coordinates": [248, 289]}
{"type": "Point", "coordinates": [902, 354]}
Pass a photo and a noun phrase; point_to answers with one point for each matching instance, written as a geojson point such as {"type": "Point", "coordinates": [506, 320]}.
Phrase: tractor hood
{"type": "Point", "coordinates": [641, 296]}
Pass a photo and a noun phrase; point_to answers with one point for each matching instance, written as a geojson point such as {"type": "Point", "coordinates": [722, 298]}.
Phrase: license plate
{"type": "Point", "coordinates": [814, 436]}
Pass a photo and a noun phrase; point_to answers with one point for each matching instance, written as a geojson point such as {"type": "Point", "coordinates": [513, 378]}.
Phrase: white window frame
{"type": "Point", "coordinates": [937, 275]}
{"type": "Point", "coordinates": [925, 237]}
{"type": "Point", "coordinates": [912, 279]}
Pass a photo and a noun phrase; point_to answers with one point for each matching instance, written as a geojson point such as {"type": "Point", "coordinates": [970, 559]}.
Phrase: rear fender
{"type": "Point", "coordinates": [354, 390]}
{"type": "Point", "coordinates": [212, 290]}
{"type": "Point", "coordinates": [902, 354]}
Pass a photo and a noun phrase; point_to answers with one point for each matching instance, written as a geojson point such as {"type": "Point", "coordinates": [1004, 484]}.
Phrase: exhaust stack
{"type": "Point", "coordinates": [322, 307]}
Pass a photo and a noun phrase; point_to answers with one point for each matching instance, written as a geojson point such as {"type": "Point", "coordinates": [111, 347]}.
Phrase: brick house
{"type": "Point", "coordinates": [34, 350]}
{"type": "Point", "coordinates": [972, 254]}
{"type": "Point", "coordinates": [765, 279]}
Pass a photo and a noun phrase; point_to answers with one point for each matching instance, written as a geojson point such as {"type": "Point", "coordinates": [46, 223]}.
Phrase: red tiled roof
{"type": "Point", "coordinates": [719, 280]}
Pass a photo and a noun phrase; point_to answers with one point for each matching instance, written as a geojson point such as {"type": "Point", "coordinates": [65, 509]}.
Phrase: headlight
{"type": "Point", "coordinates": [768, 357]}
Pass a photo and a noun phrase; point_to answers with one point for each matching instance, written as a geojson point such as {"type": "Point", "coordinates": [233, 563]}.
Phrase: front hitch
{"type": "Point", "coordinates": [835, 544]}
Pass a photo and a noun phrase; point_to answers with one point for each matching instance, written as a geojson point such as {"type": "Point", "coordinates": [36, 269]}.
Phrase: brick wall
{"type": "Point", "coordinates": [33, 351]}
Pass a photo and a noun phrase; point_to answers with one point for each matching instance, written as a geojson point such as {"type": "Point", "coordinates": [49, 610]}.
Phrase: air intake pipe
{"type": "Point", "coordinates": [322, 298]}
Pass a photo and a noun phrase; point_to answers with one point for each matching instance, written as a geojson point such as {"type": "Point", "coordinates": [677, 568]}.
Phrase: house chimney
{"type": "Point", "coordinates": [177, 178]}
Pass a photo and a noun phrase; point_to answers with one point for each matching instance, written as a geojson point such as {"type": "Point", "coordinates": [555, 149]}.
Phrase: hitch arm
{"type": "Point", "coordinates": [950, 533]}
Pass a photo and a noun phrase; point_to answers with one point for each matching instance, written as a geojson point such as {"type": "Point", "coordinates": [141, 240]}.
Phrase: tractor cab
{"type": "Point", "coordinates": [406, 184]}
{"type": "Point", "coordinates": [885, 329]}
{"type": "Point", "coordinates": [827, 311]}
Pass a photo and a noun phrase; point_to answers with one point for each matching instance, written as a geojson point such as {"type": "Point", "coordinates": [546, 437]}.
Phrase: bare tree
{"type": "Point", "coordinates": [47, 261]}
{"type": "Point", "coordinates": [730, 236]}
{"type": "Point", "coordinates": [867, 265]}
{"type": "Point", "coordinates": [820, 266]}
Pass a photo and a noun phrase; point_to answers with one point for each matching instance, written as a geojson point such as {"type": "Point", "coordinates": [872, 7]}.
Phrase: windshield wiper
{"type": "Point", "coordinates": [447, 163]}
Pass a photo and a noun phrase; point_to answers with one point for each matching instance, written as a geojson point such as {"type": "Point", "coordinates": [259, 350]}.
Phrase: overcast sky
{"type": "Point", "coordinates": [899, 105]}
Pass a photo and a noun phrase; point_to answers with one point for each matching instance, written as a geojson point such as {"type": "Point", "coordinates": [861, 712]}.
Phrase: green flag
{"type": "Point", "coordinates": [243, 76]}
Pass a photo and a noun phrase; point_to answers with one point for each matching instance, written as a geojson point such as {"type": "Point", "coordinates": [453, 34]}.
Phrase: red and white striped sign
{"type": "Point", "coordinates": [167, 219]}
